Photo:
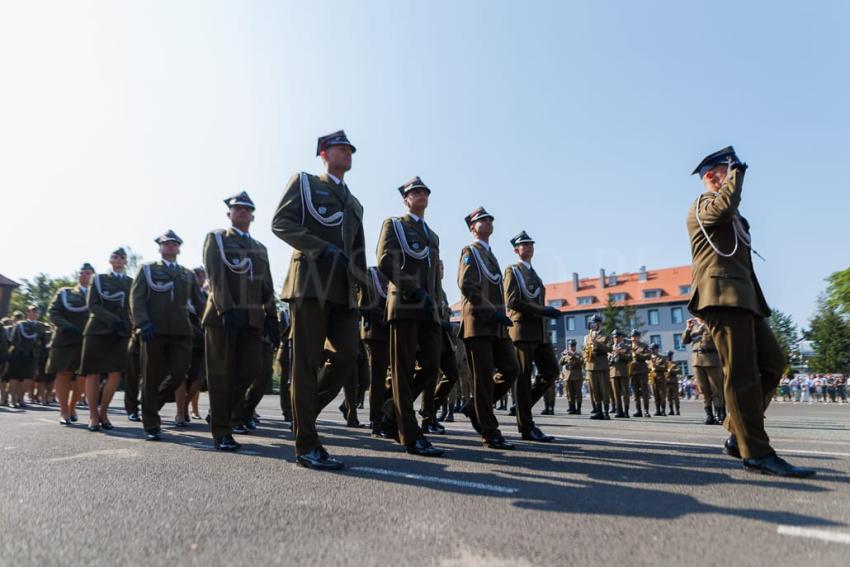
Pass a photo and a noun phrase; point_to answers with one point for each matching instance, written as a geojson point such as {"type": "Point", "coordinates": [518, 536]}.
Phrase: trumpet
{"type": "Point", "coordinates": [588, 348]}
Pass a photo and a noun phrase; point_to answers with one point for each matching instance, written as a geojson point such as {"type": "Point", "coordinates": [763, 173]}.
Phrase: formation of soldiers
{"type": "Point", "coordinates": [348, 325]}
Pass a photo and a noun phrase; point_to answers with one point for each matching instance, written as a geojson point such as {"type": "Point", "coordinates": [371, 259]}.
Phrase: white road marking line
{"type": "Point", "coordinates": [687, 444]}
{"type": "Point", "coordinates": [99, 453]}
{"type": "Point", "coordinates": [439, 480]}
{"type": "Point", "coordinates": [823, 535]}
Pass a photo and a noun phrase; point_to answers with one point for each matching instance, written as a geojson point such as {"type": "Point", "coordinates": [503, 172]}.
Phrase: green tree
{"type": "Point", "coordinates": [39, 291]}
{"type": "Point", "coordinates": [838, 291]}
{"type": "Point", "coordinates": [829, 333]}
{"type": "Point", "coordinates": [618, 316]}
{"type": "Point", "coordinates": [787, 335]}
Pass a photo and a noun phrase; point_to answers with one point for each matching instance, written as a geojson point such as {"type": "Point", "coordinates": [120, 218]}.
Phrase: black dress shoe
{"type": "Point", "coordinates": [606, 416]}
{"type": "Point", "coordinates": [226, 443]}
{"type": "Point", "coordinates": [512, 411]}
{"type": "Point", "coordinates": [597, 416]}
{"type": "Point", "coordinates": [619, 414]}
{"type": "Point", "coordinates": [433, 428]}
{"type": "Point", "coordinates": [638, 413]}
{"type": "Point", "coordinates": [536, 435]}
{"type": "Point", "coordinates": [468, 410]}
{"type": "Point", "coordinates": [152, 435]}
{"type": "Point", "coordinates": [450, 417]}
{"type": "Point", "coordinates": [499, 443]}
{"type": "Point", "coordinates": [777, 466]}
{"type": "Point", "coordinates": [318, 459]}
{"type": "Point", "coordinates": [250, 424]}
{"type": "Point", "coordinates": [422, 447]}
{"type": "Point", "coordinates": [239, 429]}
{"type": "Point", "coordinates": [354, 424]}
{"type": "Point", "coordinates": [95, 427]}
{"type": "Point", "coordinates": [133, 417]}
{"type": "Point", "coordinates": [730, 447]}
{"type": "Point", "coordinates": [181, 423]}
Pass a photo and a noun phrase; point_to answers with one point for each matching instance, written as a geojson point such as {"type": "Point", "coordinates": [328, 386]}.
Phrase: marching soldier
{"type": "Point", "coordinates": [409, 256]}
{"type": "Point", "coordinates": [105, 338]}
{"type": "Point", "coordinates": [68, 312]}
{"type": "Point", "coordinates": [596, 349]}
{"type": "Point", "coordinates": [489, 349]}
{"type": "Point", "coordinates": [672, 374]}
{"type": "Point", "coordinates": [707, 370]}
{"type": "Point", "coordinates": [375, 335]}
{"type": "Point", "coordinates": [159, 302]}
{"type": "Point", "coordinates": [240, 311]}
{"type": "Point", "coordinates": [322, 221]}
{"type": "Point", "coordinates": [572, 364]}
{"type": "Point", "coordinates": [28, 339]}
{"type": "Point", "coordinates": [639, 374]}
{"type": "Point", "coordinates": [449, 373]}
{"type": "Point", "coordinates": [658, 378]}
{"type": "Point", "coordinates": [7, 388]}
{"type": "Point", "coordinates": [619, 372]}
{"type": "Point", "coordinates": [283, 357]}
{"type": "Point", "coordinates": [525, 297]}
{"type": "Point", "coordinates": [726, 295]}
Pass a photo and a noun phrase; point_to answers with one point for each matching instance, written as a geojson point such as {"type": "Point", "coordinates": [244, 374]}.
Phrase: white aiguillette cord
{"type": "Point", "coordinates": [377, 282]}
{"type": "Point", "coordinates": [158, 287]}
{"type": "Point", "coordinates": [420, 255]}
{"type": "Point", "coordinates": [522, 286]}
{"type": "Point", "coordinates": [117, 296]}
{"type": "Point", "coordinates": [63, 297]}
{"type": "Point", "coordinates": [495, 279]}
{"type": "Point", "coordinates": [240, 267]}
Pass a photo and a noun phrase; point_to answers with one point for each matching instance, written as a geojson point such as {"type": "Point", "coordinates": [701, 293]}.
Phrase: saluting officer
{"type": "Point", "coordinates": [159, 301]}
{"type": "Point", "coordinates": [596, 349]}
{"type": "Point", "coordinates": [727, 295]}
{"type": "Point", "coordinates": [240, 310]}
{"type": "Point", "coordinates": [639, 374]}
{"type": "Point", "coordinates": [572, 363]}
{"type": "Point", "coordinates": [491, 354]}
{"type": "Point", "coordinates": [707, 370]}
{"type": "Point", "coordinates": [525, 298]}
{"type": "Point", "coordinates": [322, 221]}
{"type": "Point", "coordinates": [409, 256]}
{"type": "Point", "coordinates": [68, 312]}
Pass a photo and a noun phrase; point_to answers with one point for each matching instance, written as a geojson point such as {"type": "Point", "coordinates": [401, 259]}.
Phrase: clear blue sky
{"type": "Point", "coordinates": [577, 121]}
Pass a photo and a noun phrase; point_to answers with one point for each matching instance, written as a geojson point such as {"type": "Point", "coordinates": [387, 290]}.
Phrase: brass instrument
{"type": "Point", "coordinates": [588, 347]}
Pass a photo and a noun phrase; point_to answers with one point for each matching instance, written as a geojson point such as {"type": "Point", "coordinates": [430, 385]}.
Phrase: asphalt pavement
{"type": "Point", "coordinates": [625, 492]}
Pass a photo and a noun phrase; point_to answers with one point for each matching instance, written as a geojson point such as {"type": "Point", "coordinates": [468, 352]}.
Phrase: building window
{"type": "Point", "coordinates": [555, 303]}
{"type": "Point", "coordinates": [677, 342]}
{"type": "Point", "coordinates": [618, 297]}
{"type": "Point", "coordinates": [651, 293]}
{"type": "Point", "coordinates": [653, 317]}
{"type": "Point", "coordinates": [684, 289]}
{"type": "Point", "coordinates": [586, 300]}
{"type": "Point", "coordinates": [677, 315]}
{"type": "Point", "coordinates": [685, 370]}
{"type": "Point", "coordinates": [571, 323]}
{"type": "Point", "coordinates": [656, 340]}
{"type": "Point", "coordinates": [553, 336]}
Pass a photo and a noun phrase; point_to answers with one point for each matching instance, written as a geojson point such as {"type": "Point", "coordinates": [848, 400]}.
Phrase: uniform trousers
{"type": "Point", "coordinates": [162, 356]}
{"type": "Point", "coordinates": [529, 355]}
{"type": "Point", "coordinates": [495, 368]}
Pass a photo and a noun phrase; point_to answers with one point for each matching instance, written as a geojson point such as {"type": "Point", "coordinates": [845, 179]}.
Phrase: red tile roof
{"type": "Point", "coordinates": [668, 280]}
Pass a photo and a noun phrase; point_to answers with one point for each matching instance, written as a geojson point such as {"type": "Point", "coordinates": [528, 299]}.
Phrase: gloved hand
{"type": "Point", "coordinates": [552, 312]}
{"type": "Point", "coordinates": [230, 323]}
{"type": "Point", "coordinates": [503, 319]}
{"type": "Point", "coordinates": [146, 331]}
{"type": "Point", "coordinates": [120, 328]}
{"type": "Point", "coordinates": [333, 252]}
{"type": "Point", "coordinates": [270, 329]}
{"type": "Point", "coordinates": [421, 296]}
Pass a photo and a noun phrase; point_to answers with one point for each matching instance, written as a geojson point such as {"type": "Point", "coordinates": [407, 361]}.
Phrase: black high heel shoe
{"type": "Point", "coordinates": [95, 427]}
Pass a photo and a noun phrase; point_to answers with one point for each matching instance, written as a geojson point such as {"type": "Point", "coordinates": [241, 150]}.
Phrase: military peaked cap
{"type": "Point", "coordinates": [477, 215]}
{"type": "Point", "coordinates": [338, 138]}
{"type": "Point", "coordinates": [521, 238]}
{"type": "Point", "coordinates": [414, 183]}
{"type": "Point", "coordinates": [241, 200]}
{"type": "Point", "coordinates": [169, 236]}
{"type": "Point", "coordinates": [717, 158]}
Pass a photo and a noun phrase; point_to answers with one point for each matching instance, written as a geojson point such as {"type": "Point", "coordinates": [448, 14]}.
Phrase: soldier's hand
{"type": "Point", "coordinates": [553, 312]}
{"type": "Point", "coordinates": [504, 319]}
{"type": "Point", "coordinates": [337, 255]}
{"type": "Point", "coordinates": [230, 323]}
{"type": "Point", "coordinates": [147, 331]}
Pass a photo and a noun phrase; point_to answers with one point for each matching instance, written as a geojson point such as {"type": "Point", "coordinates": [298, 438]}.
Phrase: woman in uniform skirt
{"type": "Point", "coordinates": [28, 338]}
{"type": "Point", "coordinates": [105, 338]}
{"type": "Point", "coordinates": [69, 313]}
